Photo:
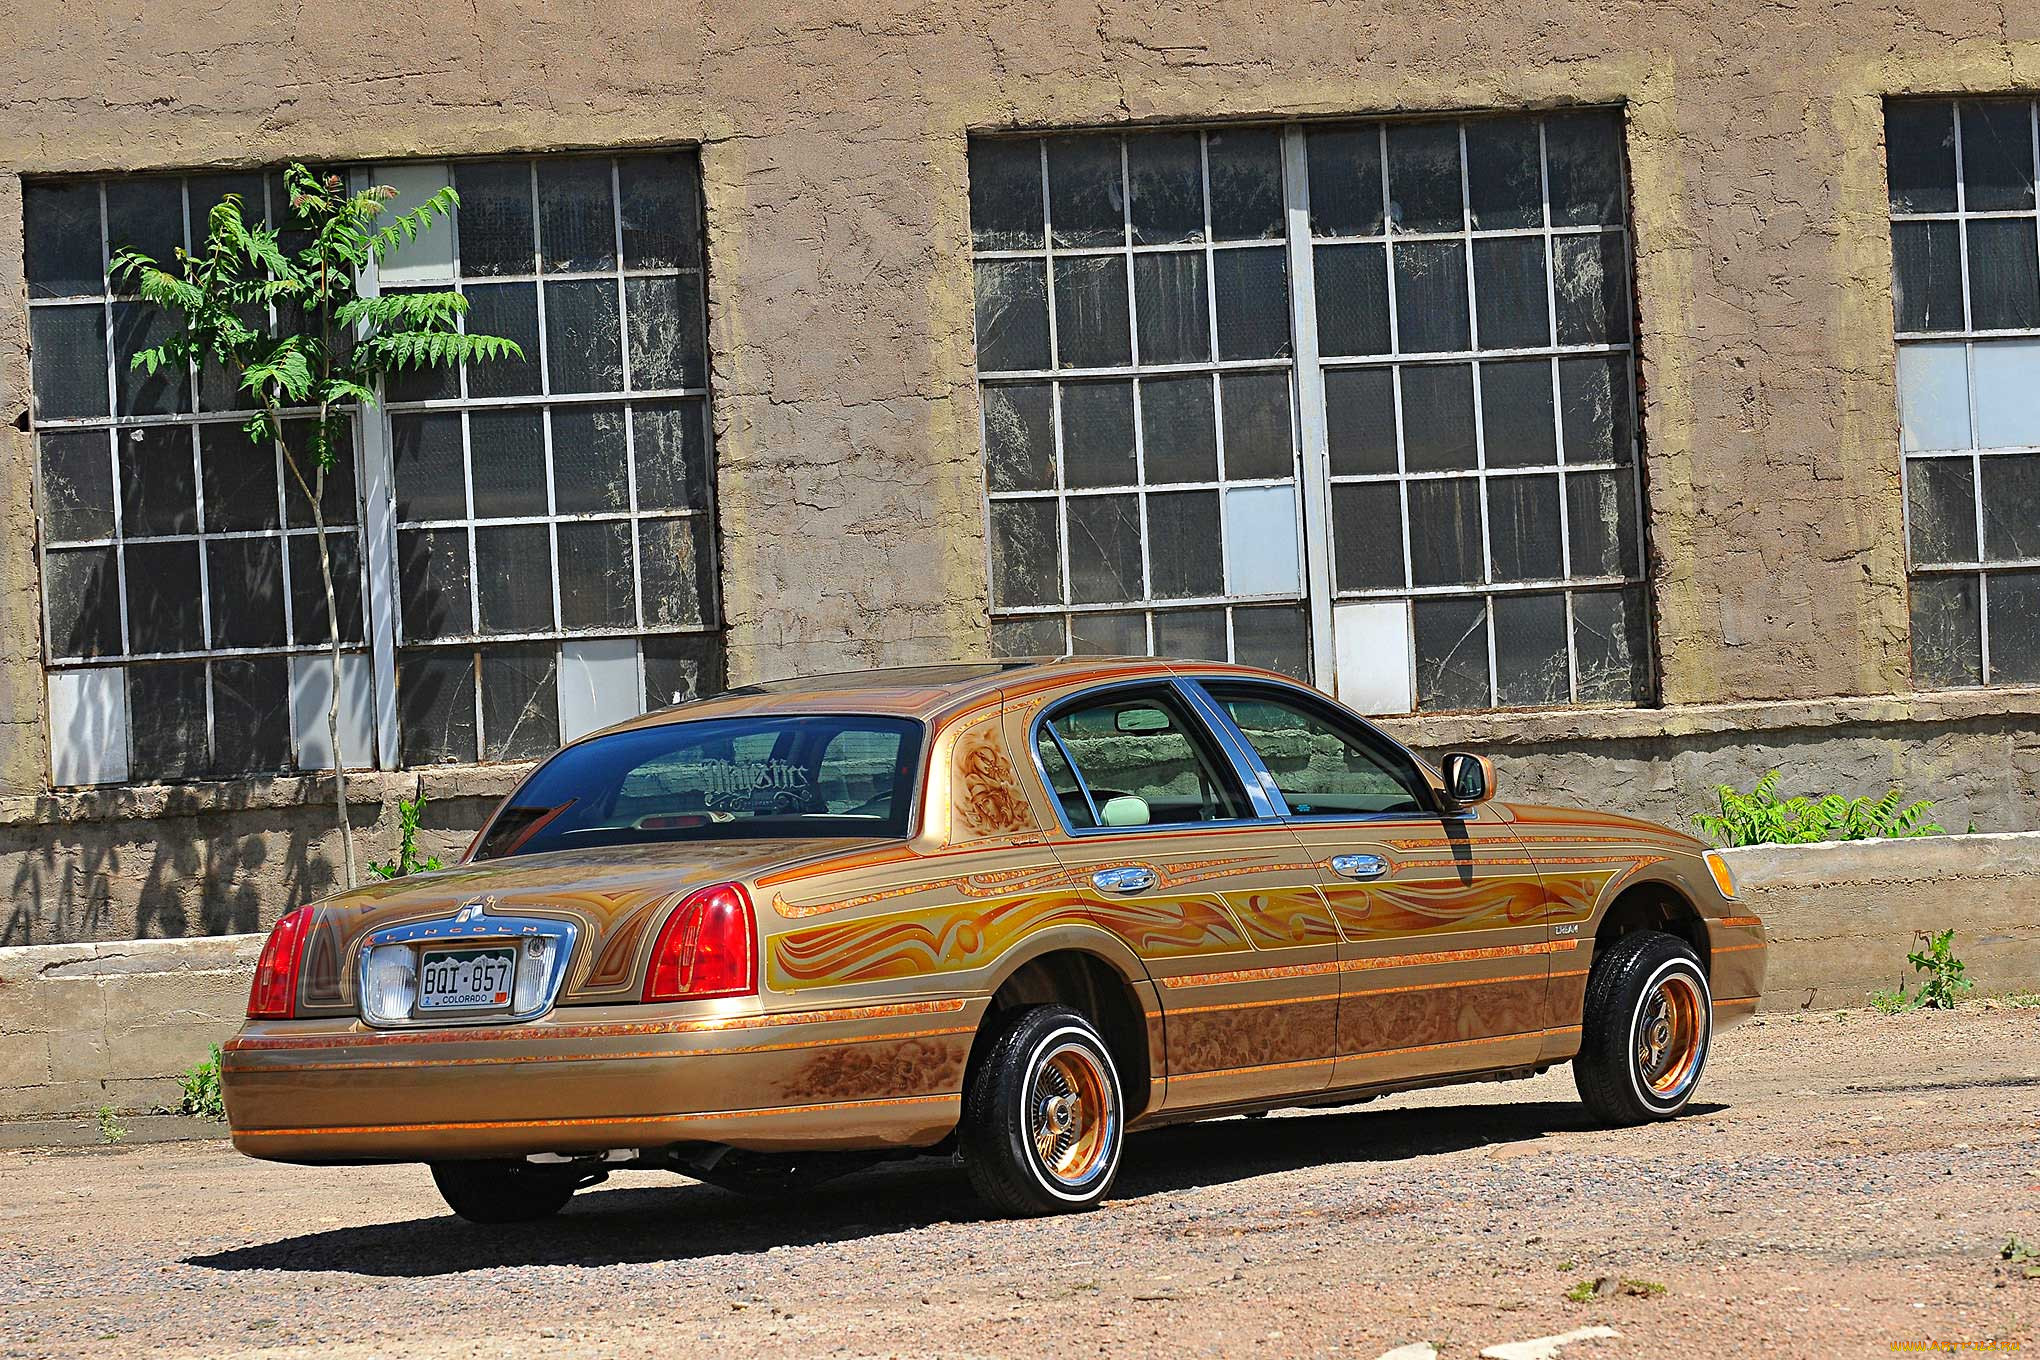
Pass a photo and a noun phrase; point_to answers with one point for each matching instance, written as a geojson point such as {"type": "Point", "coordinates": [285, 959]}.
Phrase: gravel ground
{"type": "Point", "coordinates": [1844, 1182]}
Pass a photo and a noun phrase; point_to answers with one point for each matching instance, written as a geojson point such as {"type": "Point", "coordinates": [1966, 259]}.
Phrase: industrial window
{"type": "Point", "coordinates": [546, 555]}
{"type": "Point", "coordinates": [1382, 372]}
{"type": "Point", "coordinates": [1966, 303]}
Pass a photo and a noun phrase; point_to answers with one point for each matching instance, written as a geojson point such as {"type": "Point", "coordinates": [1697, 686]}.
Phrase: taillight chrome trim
{"type": "Point", "coordinates": [472, 924]}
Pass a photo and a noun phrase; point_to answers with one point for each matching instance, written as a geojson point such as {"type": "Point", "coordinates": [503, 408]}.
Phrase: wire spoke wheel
{"type": "Point", "coordinates": [1070, 1113]}
{"type": "Point", "coordinates": [1670, 1029]}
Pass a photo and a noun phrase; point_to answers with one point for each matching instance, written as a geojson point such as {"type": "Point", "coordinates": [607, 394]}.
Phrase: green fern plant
{"type": "Point", "coordinates": [281, 312]}
{"type": "Point", "coordinates": [1761, 817]}
{"type": "Point", "coordinates": [408, 860]}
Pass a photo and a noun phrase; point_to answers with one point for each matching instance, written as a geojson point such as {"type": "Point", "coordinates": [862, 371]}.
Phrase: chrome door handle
{"type": "Point", "coordinates": [1359, 866]}
{"type": "Point", "coordinates": [1128, 878]}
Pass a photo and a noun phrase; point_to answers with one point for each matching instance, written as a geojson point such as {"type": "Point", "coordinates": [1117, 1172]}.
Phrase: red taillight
{"type": "Point", "coordinates": [708, 947]}
{"type": "Point", "coordinates": [274, 995]}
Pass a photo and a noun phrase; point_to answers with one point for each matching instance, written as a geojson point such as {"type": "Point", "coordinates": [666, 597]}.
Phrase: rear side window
{"type": "Point", "coordinates": [1139, 758]}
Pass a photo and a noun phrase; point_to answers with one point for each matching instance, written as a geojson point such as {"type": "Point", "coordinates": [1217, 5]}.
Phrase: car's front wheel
{"type": "Point", "coordinates": [1043, 1118]}
{"type": "Point", "coordinates": [505, 1192]}
{"type": "Point", "coordinates": [1649, 1017]}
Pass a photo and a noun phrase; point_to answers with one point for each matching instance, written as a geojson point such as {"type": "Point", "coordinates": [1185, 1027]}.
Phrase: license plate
{"type": "Point", "coordinates": [466, 979]}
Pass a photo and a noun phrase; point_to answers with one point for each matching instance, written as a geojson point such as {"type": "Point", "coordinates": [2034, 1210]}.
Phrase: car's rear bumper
{"type": "Point", "coordinates": [586, 1079]}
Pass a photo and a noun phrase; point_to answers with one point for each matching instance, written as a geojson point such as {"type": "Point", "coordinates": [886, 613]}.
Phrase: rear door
{"type": "Point", "coordinates": [1444, 957]}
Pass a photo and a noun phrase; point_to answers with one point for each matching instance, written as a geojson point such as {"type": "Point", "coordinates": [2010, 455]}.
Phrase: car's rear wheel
{"type": "Point", "coordinates": [505, 1192]}
{"type": "Point", "coordinates": [1649, 1018]}
{"type": "Point", "coordinates": [1043, 1118]}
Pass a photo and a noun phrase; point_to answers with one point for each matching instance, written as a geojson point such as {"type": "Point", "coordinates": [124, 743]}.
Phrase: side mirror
{"type": "Point", "coordinates": [1469, 779]}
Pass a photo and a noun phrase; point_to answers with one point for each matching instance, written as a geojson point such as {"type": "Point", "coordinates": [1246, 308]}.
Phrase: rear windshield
{"type": "Point", "coordinates": [717, 779]}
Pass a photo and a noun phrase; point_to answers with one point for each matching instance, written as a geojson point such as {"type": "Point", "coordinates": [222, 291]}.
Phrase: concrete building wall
{"type": "Point", "coordinates": [848, 467]}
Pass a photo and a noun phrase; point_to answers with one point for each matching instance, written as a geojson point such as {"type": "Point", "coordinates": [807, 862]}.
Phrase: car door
{"type": "Point", "coordinates": [1444, 956]}
{"type": "Point", "coordinates": [1182, 858]}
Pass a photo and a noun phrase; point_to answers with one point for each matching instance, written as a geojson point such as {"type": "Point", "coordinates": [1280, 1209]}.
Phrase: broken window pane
{"type": "Point", "coordinates": [436, 705]}
{"type": "Point", "coordinates": [520, 702]}
{"type": "Point", "coordinates": [166, 720]}
{"type": "Point", "coordinates": [77, 479]}
{"type": "Point", "coordinates": [251, 715]}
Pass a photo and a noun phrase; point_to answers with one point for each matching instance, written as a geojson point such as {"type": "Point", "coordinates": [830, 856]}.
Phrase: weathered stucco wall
{"type": "Point", "coordinates": [833, 152]}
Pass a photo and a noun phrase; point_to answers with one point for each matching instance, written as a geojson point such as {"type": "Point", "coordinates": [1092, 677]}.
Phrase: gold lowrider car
{"type": "Point", "coordinates": [1011, 911]}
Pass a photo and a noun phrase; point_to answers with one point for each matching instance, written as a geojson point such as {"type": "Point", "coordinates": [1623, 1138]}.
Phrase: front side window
{"type": "Point", "coordinates": [1965, 238]}
{"type": "Point", "coordinates": [1324, 765]}
{"type": "Point", "coordinates": [1141, 759]}
{"type": "Point", "coordinates": [717, 779]}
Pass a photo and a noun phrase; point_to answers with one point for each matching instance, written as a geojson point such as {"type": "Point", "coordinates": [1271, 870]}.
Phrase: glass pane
{"type": "Point", "coordinates": [167, 727]}
{"type": "Point", "coordinates": [597, 585]}
{"type": "Point", "coordinates": [338, 500]}
{"type": "Point", "coordinates": [432, 583]}
{"type": "Point", "coordinates": [68, 347]}
{"type": "Point", "coordinates": [1360, 421]}
{"type": "Point", "coordinates": [1261, 551]}
{"type": "Point", "coordinates": [1919, 155]}
{"type": "Point", "coordinates": [1504, 174]}
{"type": "Point", "coordinates": [1182, 526]}
{"type": "Point", "coordinates": [1610, 647]}
{"type": "Point", "coordinates": [1178, 430]}
{"type": "Point", "coordinates": [1246, 184]}
{"type": "Point", "coordinates": [1012, 315]}
{"type": "Point", "coordinates": [509, 310]}
{"type": "Point", "coordinates": [667, 345]}
{"type": "Point", "coordinates": [163, 598]}
{"type": "Point", "coordinates": [583, 345]}
{"type": "Point", "coordinates": [430, 470]}
{"type": "Point", "coordinates": [2004, 276]}
{"type": "Point", "coordinates": [591, 469]}
{"type": "Point", "coordinates": [1345, 181]}
{"type": "Point", "coordinates": [495, 218]}
{"type": "Point", "coordinates": [1019, 436]}
{"type": "Point", "coordinates": [1523, 529]}
{"type": "Point", "coordinates": [1104, 549]}
{"type": "Point", "coordinates": [1941, 505]}
{"type": "Point", "coordinates": [677, 560]}
{"type": "Point", "coordinates": [1040, 636]}
{"type": "Point", "coordinates": [680, 668]}
{"type": "Point", "coordinates": [1593, 409]}
{"type": "Point", "coordinates": [1437, 411]}
{"type": "Point", "coordinates": [1086, 203]}
{"type": "Point", "coordinates": [671, 444]}
{"type": "Point", "coordinates": [1098, 434]}
{"type": "Point", "coordinates": [146, 213]}
{"type": "Point", "coordinates": [1933, 397]}
{"type": "Point", "coordinates": [1276, 638]}
{"type": "Point", "coordinates": [1192, 634]}
{"type": "Point", "coordinates": [1258, 442]}
{"type": "Point", "coordinates": [308, 589]}
{"type": "Point", "coordinates": [1166, 170]}
{"type": "Point", "coordinates": [2014, 628]}
{"type": "Point", "coordinates": [508, 449]}
{"type": "Point", "coordinates": [1005, 194]}
{"type": "Point", "coordinates": [81, 591]}
{"type": "Point", "coordinates": [576, 215]}
{"type": "Point", "coordinates": [1997, 154]}
{"type": "Point", "coordinates": [1515, 411]}
{"type": "Point", "coordinates": [2007, 373]}
{"type": "Point", "coordinates": [1601, 515]}
{"type": "Point", "coordinates": [1508, 277]}
{"type": "Point", "coordinates": [1090, 312]}
{"type": "Point", "coordinates": [2011, 509]}
{"type": "Point", "coordinates": [520, 702]}
{"type": "Point", "coordinates": [1108, 634]}
{"type": "Point", "coordinates": [1947, 632]}
{"type": "Point", "coordinates": [1367, 540]}
{"type": "Point", "coordinates": [1423, 177]}
{"type": "Point", "coordinates": [1452, 653]}
{"type": "Point", "coordinates": [1591, 281]}
{"type": "Point", "coordinates": [661, 211]}
{"type": "Point", "coordinates": [251, 718]}
{"type": "Point", "coordinates": [1026, 554]}
{"type": "Point", "coordinates": [61, 225]}
{"type": "Point", "coordinates": [1926, 284]}
{"type": "Point", "coordinates": [1252, 288]}
{"type": "Point", "coordinates": [219, 390]}
{"type": "Point", "coordinates": [513, 578]}
{"type": "Point", "coordinates": [1352, 299]}
{"type": "Point", "coordinates": [244, 577]}
{"type": "Point", "coordinates": [138, 326]}
{"type": "Point", "coordinates": [1430, 296]}
{"type": "Point", "coordinates": [77, 478]}
{"type": "Point", "coordinates": [1531, 666]}
{"type": "Point", "coordinates": [1584, 153]}
{"type": "Point", "coordinates": [436, 706]}
{"type": "Point", "coordinates": [1175, 324]}
{"type": "Point", "coordinates": [1445, 531]}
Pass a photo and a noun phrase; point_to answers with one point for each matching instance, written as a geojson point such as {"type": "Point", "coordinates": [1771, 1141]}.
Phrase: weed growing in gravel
{"type": "Point", "coordinates": [1944, 984]}
{"type": "Point", "coordinates": [2024, 1258]}
{"type": "Point", "coordinates": [1605, 1286]}
{"type": "Point", "coordinates": [111, 1130]}
{"type": "Point", "coordinates": [201, 1084]}
{"type": "Point", "coordinates": [1581, 1292]}
{"type": "Point", "coordinates": [1891, 1002]}
{"type": "Point", "coordinates": [2019, 1000]}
